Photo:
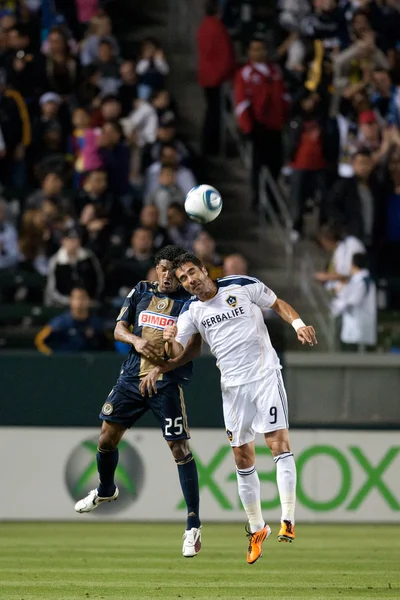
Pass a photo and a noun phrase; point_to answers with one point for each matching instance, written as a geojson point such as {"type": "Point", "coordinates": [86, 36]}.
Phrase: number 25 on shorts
{"type": "Point", "coordinates": [176, 425]}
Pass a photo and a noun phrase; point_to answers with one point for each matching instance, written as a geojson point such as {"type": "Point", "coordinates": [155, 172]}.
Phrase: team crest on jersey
{"type": "Point", "coordinates": [230, 435]}
{"type": "Point", "coordinates": [107, 408]}
{"type": "Point", "coordinates": [232, 301]}
{"type": "Point", "coordinates": [161, 305]}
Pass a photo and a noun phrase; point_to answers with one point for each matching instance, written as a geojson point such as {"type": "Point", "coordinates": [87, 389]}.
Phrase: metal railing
{"type": "Point", "coordinates": [318, 300]}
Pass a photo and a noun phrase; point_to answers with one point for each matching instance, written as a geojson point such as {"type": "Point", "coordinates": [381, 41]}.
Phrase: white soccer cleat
{"type": "Point", "coordinates": [191, 542]}
{"type": "Point", "coordinates": [92, 501]}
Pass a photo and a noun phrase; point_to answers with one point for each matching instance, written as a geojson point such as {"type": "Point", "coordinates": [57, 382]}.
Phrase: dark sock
{"type": "Point", "coordinates": [190, 488]}
{"type": "Point", "coordinates": [107, 461]}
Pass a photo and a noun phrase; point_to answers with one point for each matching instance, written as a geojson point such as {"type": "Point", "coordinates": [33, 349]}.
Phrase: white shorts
{"type": "Point", "coordinates": [256, 407]}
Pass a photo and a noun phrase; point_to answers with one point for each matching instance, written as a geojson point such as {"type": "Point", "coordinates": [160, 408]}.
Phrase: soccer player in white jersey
{"type": "Point", "coordinates": [228, 315]}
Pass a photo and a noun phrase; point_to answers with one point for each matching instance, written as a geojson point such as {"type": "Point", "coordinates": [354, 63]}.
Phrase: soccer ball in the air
{"type": "Point", "coordinates": [203, 203]}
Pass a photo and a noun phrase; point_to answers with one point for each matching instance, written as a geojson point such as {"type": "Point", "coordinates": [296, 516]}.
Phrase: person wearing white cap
{"type": "Point", "coordinates": [50, 98]}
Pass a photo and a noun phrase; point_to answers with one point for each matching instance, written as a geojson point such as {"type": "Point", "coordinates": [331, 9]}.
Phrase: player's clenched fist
{"type": "Point", "coordinates": [170, 333]}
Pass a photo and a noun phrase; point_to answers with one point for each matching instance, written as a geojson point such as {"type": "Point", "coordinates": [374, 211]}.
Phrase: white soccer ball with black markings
{"type": "Point", "coordinates": [203, 203]}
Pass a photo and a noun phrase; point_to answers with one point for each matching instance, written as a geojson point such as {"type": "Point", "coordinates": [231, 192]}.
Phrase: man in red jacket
{"type": "Point", "coordinates": [261, 108]}
{"type": "Point", "coordinates": [216, 64]}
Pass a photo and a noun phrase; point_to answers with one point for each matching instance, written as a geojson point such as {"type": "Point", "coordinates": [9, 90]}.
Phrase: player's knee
{"type": "Point", "coordinates": [179, 448]}
{"type": "Point", "coordinates": [108, 441]}
{"type": "Point", "coordinates": [244, 456]}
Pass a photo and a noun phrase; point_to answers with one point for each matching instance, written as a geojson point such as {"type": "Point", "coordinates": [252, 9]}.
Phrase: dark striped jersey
{"type": "Point", "coordinates": [148, 312]}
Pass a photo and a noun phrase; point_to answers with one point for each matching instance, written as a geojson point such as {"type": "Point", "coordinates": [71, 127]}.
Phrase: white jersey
{"type": "Point", "coordinates": [232, 324]}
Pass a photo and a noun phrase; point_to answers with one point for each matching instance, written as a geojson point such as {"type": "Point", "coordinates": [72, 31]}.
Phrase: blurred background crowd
{"type": "Point", "coordinates": [94, 168]}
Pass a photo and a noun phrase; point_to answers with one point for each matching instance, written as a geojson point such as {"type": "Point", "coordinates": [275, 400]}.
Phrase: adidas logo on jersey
{"type": "Point", "coordinates": [155, 320]}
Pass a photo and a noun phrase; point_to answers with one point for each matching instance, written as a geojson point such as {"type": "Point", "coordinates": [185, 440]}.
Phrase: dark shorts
{"type": "Point", "coordinates": [126, 406]}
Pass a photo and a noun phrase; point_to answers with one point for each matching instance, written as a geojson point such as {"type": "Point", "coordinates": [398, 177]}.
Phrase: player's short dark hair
{"type": "Point", "coordinates": [186, 258]}
{"type": "Point", "coordinates": [258, 37]}
{"type": "Point", "coordinates": [360, 260]}
{"type": "Point", "coordinates": [170, 253]}
{"type": "Point", "coordinates": [80, 287]}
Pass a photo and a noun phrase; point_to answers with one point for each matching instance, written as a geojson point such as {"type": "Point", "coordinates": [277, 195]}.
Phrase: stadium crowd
{"type": "Point", "coordinates": [94, 174]}
{"type": "Point", "coordinates": [318, 98]}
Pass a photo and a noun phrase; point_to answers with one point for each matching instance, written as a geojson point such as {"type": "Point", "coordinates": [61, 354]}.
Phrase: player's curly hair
{"type": "Point", "coordinates": [185, 258]}
{"type": "Point", "coordinates": [170, 253]}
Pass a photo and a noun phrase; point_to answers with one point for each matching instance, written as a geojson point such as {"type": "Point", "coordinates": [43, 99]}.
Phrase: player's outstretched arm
{"type": "Point", "coordinates": [148, 384]}
{"type": "Point", "coordinates": [305, 333]}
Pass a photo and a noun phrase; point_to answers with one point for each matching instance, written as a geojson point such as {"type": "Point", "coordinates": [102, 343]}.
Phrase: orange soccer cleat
{"type": "Point", "coordinates": [256, 539]}
{"type": "Point", "coordinates": [286, 532]}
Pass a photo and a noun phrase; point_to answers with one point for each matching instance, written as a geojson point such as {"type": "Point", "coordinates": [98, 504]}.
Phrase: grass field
{"type": "Point", "coordinates": [93, 561]}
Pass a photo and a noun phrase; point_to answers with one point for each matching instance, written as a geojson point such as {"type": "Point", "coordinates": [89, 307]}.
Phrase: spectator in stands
{"type": "Point", "coordinates": [150, 219]}
{"type": "Point", "coordinates": [133, 266]}
{"type": "Point", "coordinates": [261, 107]}
{"type": "Point", "coordinates": [181, 230]}
{"type": "Point", "coordinates": [167, 136]}
{"type": "Point", "coordinates": [84, 145]}
{"type": "Point", "coordinates": [354, 201]}
{"type": "Point", "coordinates": [140, 129]}
{"type": "Point", "coordinates": [312, 145]}
{"type": "Point", "coordinates": [164, 107]}
{"type": "Point", "coordinates": [353, 67]}
{"type": "Point", "coordinates": [204, 247]}
{"type": "Point", "coordinates": [235, 264]}
{"type": "Point", "coordinates": [168, 158]}
{"type": "Point", "coordinates": [151, 68]}
{"type": "Point", "coordinates": [127, 92]}
{"type": "Point", "coordinates": [12, 125]}
{"type": "Point", "coordinates": [100, 29]}
{"type": "Point", "coordinates": [166, 194]}
{"type": "Point", "coordinates": [116, 158]}
{"type": "Point", "coordinates": [51, 188]}
{"type": "Point", "coordinates": [356, 303]}
{"type": "Point", "coordinates": [110, 110]}
{"type": "Point", "coordinates": [216, 64]}
{"type": "Point", "coordinates": [98, 212]}
{"type": "Point", "coordinates": [61, 67]}
{"type": "Point", "coordinates": [108, 67]}
{"type": "Point", "coordinates": [89, 91]}
{"type": "Point", "coordinates": [32, 242]}
{"type": "Point", "coordinates": [385, 98]}
{"type": "Point", "coordinates": [76, 330]}
{"type": "Point", "coordinates": [342, 248]}
{"type": "Point", "coordinates": [25, 69]}
{"type": "Point", "coordinates": [8, 239]}
{"type": "Point", "coordinates": [85, 11]}
{"type": "Point", "coordinates": [72, 265]}
{"type": "Point", "coordinates": [50, 113]}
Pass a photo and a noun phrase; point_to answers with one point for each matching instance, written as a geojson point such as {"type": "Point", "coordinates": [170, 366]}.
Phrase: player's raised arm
{"type": "Point", "coordinates": [305, 333]}
{"type": "Point", "coordinates": [264, 297]}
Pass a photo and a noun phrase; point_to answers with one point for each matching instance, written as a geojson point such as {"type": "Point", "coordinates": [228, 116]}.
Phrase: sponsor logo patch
{"type": "Point", "coordinates": [155, 320]}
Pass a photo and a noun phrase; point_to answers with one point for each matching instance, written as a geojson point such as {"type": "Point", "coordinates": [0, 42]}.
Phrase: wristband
{"type": "Point", "coordinates": [297, 324]}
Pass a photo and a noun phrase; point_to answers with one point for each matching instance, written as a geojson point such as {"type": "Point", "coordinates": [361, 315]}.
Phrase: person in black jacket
{"type": "Point", "coordinates": [354, 201]}
{"type": "Point", "coordinates": [312, 147]}
{"type": "Point", "coordinates": [72, 266]}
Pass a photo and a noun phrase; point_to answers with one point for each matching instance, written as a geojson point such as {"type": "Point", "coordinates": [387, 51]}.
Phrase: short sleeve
{"type": "Point", "coordinates": [128, 309]}
{"type": "Point", "coordinates": [186, 328]}
{"type": "Point", "coordinates": [260, 294]}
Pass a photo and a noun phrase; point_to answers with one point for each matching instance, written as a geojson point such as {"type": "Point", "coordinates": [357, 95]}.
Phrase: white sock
{"type": "Point", "coordinates": [286, 480]}
{"type": "Point", "coordinates": [249, 492]}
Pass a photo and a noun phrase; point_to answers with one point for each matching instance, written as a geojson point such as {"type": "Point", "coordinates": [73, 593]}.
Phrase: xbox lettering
{"type": "Point", "coordinates": [344, 462]}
